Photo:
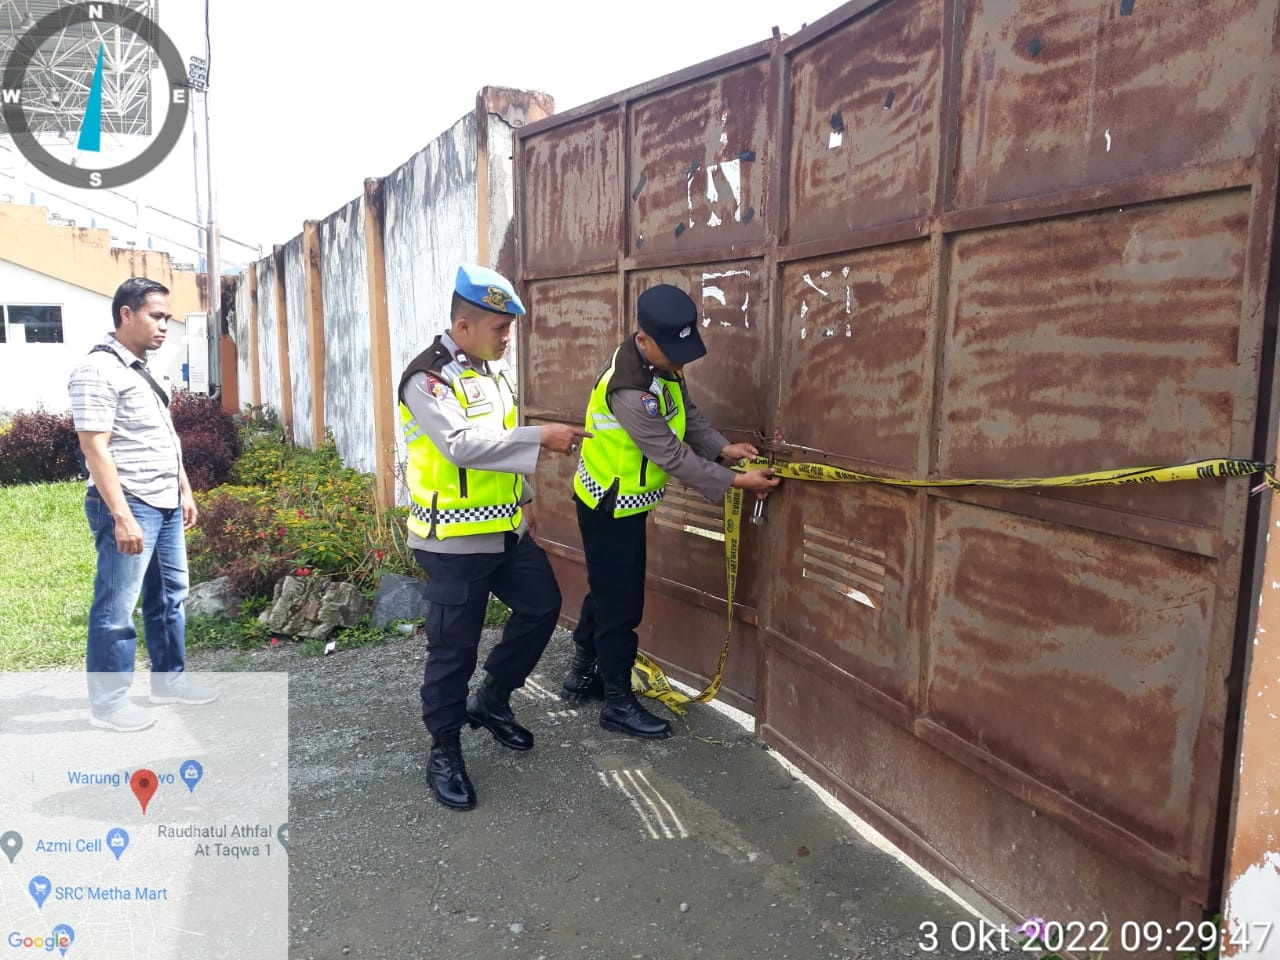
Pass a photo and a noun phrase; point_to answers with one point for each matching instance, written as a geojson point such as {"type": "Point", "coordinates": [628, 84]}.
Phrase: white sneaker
{"type": "Point", "coordinates": [125, 718]}
{"type": "Point", "coordinates": [178, 688]}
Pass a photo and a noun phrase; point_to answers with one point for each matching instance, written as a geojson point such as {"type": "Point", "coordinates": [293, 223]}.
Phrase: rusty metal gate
{"type": "Point", "coordinates": [953, 238]}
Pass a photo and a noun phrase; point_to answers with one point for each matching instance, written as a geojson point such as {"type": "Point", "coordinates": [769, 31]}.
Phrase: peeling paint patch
{"type": "Point", "coordinates": [1251, 905]}
{"type": "Point", "coordinates": [731, 172]}
{"type": "Point", "coordinates": [1107, 134]}
{"type": "Point", "coordinates": [809, 280]}
{"type": "Point", "coordinates": [712, 290]}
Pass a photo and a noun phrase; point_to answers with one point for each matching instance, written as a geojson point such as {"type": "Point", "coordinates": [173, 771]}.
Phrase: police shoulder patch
{"type": "Point", "coordinates": [437, 387]}
{"type": "Point", "coordinates": [650, 404]}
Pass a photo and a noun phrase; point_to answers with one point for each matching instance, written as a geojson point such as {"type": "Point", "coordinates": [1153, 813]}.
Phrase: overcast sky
{"type": "Point", "coordinates": [305, 104]}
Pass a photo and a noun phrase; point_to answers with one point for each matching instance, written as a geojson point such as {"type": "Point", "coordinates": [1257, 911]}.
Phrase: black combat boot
{"type": "Point", "coordinates": [490, 707]}
{"type": "Point", "coordinates": [582, 682]}
{"type": "Point", "coordinates": [448, 776]}
{"type": "Point", "coordinates": [623, 713]}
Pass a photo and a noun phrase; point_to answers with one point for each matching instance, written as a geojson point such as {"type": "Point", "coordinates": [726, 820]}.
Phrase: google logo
{"type": "Point", "coordinates": [60, 938]}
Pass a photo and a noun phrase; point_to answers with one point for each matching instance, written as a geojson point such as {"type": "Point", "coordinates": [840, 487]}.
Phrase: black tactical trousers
{"type": "Point", "coordinates": [614, 604]}
{"type": "Point", "coordinates": [458, 588]}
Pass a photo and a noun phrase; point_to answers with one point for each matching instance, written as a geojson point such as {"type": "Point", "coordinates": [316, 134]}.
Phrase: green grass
{"type": "Point", "coordinates": [47, 564]}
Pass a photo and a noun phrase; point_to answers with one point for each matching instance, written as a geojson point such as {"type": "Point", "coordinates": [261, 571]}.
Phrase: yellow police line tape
{"type": "Point", "coordinates": [647, 677]}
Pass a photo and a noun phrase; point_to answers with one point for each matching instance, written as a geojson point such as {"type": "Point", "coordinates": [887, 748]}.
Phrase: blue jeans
{"type": "Point", "coordinates": [159, 575]}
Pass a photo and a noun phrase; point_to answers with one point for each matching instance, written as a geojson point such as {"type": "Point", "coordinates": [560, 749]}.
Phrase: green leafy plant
{"type": "Point", "coordinates": [496, 613]}
{"type": "Point", "coordinates": [291, 510]}
{"type": "Point", "coordinates": [241, 633]}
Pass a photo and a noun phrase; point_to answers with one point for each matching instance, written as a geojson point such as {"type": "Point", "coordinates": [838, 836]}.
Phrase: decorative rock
{"type": "Point", "coordinates": [398, 598]}
{"type": "Point", "coordinates": [312, 607]}
{"type": "Point", "coordinates": [212, 599]}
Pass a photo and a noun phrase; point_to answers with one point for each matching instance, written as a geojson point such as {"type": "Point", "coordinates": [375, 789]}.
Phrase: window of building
{"type": "Point", "coordinates": [41, 323]}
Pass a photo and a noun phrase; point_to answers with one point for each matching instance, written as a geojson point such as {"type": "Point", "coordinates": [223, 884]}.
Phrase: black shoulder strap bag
{"type": "Point", "coordinates": [136, 365]}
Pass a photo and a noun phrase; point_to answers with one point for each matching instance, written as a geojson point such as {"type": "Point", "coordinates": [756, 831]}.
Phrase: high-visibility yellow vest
{"type": "Point", "coordinates": [610, 459]}
{"type": "Point", "coordinates": [450, 501]}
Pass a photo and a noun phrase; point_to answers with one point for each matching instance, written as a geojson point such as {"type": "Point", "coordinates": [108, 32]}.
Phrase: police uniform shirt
{"type": "Point", "coordinates": [693, 462]}
{"type": "Point", "coordinates": [470, 447]}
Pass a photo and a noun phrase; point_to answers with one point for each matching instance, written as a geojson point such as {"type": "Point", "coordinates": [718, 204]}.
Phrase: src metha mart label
{"type": "Point", "coordinates": [170, 842]}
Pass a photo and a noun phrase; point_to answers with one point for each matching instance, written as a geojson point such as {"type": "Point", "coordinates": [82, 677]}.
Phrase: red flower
{"type": "Point", "coordinates": [379, 554]}
{"type": "Point", "coordinates": [303, 571]}
{"type": "Point", "coordinates": [281, 532]}
{"type": "Point", "coordinates": [275, 641]}
{"type": "Point", "coordinates": [301, 513]}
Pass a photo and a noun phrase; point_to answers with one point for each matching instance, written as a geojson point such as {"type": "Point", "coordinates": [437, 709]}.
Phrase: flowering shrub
{"type": "Point", "coordinates": [39, 447]}
{"type": "Point", "coordinates": [289, 510]}
{"type": "Point", "coordinates": [210, 438]}
{"type": "Point", "coordinates": [42, 447]}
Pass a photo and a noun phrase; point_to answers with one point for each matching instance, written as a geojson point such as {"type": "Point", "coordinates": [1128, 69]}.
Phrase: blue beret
{"type": "Point", "coordinates": [487, 289]}
{"type": "Point", "coordinates": [670, 317]}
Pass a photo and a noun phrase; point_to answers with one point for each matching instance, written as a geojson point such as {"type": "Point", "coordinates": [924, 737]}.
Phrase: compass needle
{"type": "Point", "coordinates": [91, 125]}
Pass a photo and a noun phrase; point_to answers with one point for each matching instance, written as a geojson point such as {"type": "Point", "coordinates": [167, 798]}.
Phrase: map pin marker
{"type": "Point", "coordinates": [11, 843]}
{"type": "Point", "coordinates": [282, 834]}
{"type": "Point", "coordinates": [117, 840]}
{"type": "Point", "coordinates": [39, 887]}
{"type": "Point", "coordinates": [143, 784]}
{"type": "Point", "coordinates": [63, 936]}
{"type": "Point", "coordinates": [191, 774]}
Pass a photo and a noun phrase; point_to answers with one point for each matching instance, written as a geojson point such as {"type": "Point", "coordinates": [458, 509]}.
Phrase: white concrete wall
{"type": "Point", "coordinates": [240, 333]}
{"type": "Point", "coordinates": [431, 227]}
{"type": "Point", "coordinates": [502, 204]}
{"type": "Point", "coordinates": [348, 375]}
{"type": "Point", "coordinates": [299, 346]}
{"type": "Point", "coordinates": [269, 337]}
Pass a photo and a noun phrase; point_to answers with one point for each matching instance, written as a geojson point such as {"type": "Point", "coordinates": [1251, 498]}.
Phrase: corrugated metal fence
{"type": "Point", "coordinates": [954, 238]}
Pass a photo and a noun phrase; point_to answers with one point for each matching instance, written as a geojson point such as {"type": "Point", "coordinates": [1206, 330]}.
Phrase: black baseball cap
{"type": "Point", "coordinates": [670, 317]}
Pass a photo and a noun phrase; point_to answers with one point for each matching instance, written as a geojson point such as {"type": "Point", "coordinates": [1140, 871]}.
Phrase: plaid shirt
{"type": "Point", "coordinates": [109, 396]}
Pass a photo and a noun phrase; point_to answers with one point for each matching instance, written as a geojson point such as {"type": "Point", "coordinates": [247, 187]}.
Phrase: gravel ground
{"type": "Point", "coordinates": [593, 845]}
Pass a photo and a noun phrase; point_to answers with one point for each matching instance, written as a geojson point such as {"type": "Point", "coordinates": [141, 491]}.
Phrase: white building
{"type": "Point", "coordinates": [56, 285]}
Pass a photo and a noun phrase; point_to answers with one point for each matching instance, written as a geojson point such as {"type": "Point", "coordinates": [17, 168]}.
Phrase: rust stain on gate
{"type": "Point", "coordinates": [953, 238]}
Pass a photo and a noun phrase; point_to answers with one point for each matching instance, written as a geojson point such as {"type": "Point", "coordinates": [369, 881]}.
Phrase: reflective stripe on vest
{"type": "Point", "coordinates": [625, 503]}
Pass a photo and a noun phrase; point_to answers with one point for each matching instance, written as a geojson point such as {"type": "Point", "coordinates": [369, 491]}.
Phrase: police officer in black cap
{"type": "Point", "coordinates": [644, 428]}
{"type": "Point", "coordinates": [469, 524]}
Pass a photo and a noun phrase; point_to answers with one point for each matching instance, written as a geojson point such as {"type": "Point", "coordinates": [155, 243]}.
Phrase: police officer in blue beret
{"type": "Point", "coordinates": [644, 428]}
{"type": "Point", "coordinates": [469, 463]}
